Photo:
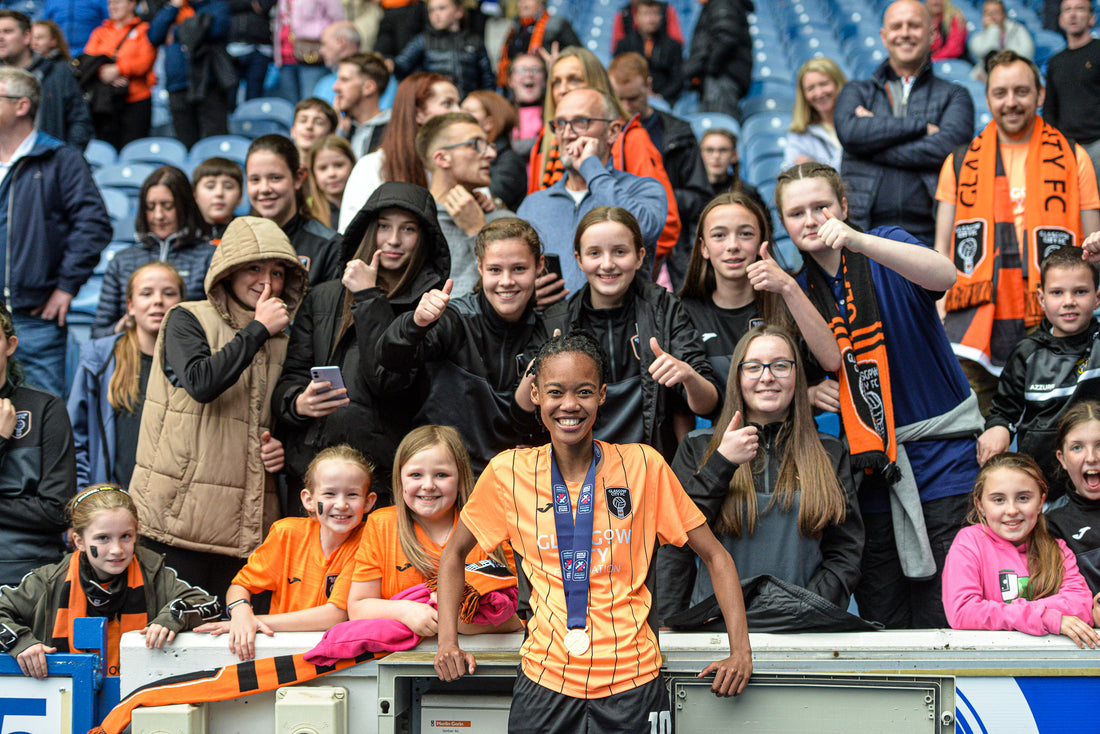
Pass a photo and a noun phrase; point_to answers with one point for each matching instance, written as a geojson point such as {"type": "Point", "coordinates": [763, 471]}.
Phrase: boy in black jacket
{"type": "Point", "coordinates": [1051, 368]}
{"type": "Point", "coordinates": [445, 48]}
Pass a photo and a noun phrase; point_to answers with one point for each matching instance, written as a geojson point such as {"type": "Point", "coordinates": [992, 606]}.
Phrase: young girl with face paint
{"type": "Point", "coordinates": [401, 544]}
{"type": "Point", "coordinates": [306, 561]}
{"type": "Point", "coordinates": [1005, 571]}
{"type": "Point", "coordinates": [592, 652]}
{"type": "Point", "coordinates": [401, 254]}
{"type": "Point", "coordinates": [109, 389]}
{"type": "Point", "coordinates": [474, 349]}
{"type": "Point", "coordinates": [109, 575]}
{"type": "Point", "coordinates": [733, 284]}
{"type": "Point", "coordinates": [1075, 517]}
{"type": "Point", "coordinates": [656, 358]}
{"type": "Point", "coordinates": [907, 409]}
{"type": "Point", "coordinates": [276, 181]}
{"type": "Point", "coordinates": [777, 493]}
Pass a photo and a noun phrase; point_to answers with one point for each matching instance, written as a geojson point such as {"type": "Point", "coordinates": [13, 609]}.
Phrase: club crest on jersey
{"type": "Point", "coordinates": [618, 501]}
{"type": "Point", "coordinates": [330, 581]}
{"type": "Point", "coordinates": [22, 424]}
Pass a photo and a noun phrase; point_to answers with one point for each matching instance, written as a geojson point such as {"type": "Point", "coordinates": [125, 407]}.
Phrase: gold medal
{"type": "Point", "coordinates": [576, 641]}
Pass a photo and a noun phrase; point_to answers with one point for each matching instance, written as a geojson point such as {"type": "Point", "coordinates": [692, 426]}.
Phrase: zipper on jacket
{"type": "Point", "coordinates": [7, 235]}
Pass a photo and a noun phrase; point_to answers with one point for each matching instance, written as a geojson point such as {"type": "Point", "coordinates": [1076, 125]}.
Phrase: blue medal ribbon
{"type": "Point", "coordinates": [574, 539]}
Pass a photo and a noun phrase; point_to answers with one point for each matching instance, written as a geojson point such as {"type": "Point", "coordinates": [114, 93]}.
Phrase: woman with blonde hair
{"type": "Point", "coordinates": [948, 30]}
{"type": "Point", "coordinates": [812, 138]}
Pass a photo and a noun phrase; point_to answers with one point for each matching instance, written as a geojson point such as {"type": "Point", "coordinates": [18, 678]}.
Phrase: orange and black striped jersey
{"type": "Point", "coordinates": [380, 556]}
{"type": "Point", "coordinates": [290, 563]}
{"type": "Point", "coordinates": [638, 503]}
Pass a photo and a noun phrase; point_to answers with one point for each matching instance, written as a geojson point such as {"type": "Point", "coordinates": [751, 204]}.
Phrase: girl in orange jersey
{"type": "Point", "coordinates": [402, 544]}
{"type": "Point", "coordinates": [306, 561]}
{"type": "Point", "coordinates": [591, 661]}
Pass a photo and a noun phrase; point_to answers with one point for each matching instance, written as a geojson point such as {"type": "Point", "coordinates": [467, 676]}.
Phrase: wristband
{"type": "Point", "coordinates": [230, 605]}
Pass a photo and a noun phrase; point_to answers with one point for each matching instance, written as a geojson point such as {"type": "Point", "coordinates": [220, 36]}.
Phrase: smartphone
{"type": "Point", "coordinates": [331, 374]}
{"type": "Point", "coordinates": [553, 263]}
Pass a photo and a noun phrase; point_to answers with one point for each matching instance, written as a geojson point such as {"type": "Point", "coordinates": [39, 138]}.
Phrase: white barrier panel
{"type": "Point", "coordinates": [33, 706]}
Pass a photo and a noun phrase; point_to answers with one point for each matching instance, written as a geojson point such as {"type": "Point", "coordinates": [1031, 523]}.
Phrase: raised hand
{"type": "Point", "coordinates": [273, 313]}
{"type": "Point", "coordinates": [739, 445]}
{"type": "Point", "coordinates": [834, 233]}
{"type": "Point", "coordinates": [666, 369]}
{"type": "Point", "coordinates": [359, 276]}
{"type": "Point", "coordinates": [433, 304]}
{"type": "Point", "coordinates": [766, 275]}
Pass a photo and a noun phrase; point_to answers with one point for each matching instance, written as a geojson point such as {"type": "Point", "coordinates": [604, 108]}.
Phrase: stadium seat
{"type": "Point", "coordinates": [108, 254]}
{"type": "Point", "coordinates": [126, 177]}
{"type": "Point", "coordinates": [253, 129]}
{"type": "Point", "coordinates": [272, 109]}
{"type": "Point", "coordinates": [100, 153]}
{"type": "Point", "coordinates": [123, 230]}
{"type": "Point", "coordinates": [117, 203]}
{"type": "Point", "coordinates": [233, 147]}
{"type": "Point", "coordinates": [703, 121]}
{"type": "Point", "coordinates": [155, 151]}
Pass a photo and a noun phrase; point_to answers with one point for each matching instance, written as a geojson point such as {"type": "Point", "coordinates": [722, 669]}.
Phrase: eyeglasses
{"type": "Point", "coordinates": [480, 145]}
{"type": "Point", "coordinates": [13, 96]}
{"type": "Point", "coordinates": [527, 70]}
{"type": "Point", "coordinates": [779, 368]}
{"type": "Point", "coordinates": [580, 125]}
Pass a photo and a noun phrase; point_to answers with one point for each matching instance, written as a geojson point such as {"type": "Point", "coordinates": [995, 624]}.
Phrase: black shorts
{"type": "Point", "coordinates": [538, 710]}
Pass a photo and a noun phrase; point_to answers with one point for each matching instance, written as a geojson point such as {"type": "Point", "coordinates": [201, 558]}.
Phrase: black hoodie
{"type": "Point", "coordinates": [378, 415]}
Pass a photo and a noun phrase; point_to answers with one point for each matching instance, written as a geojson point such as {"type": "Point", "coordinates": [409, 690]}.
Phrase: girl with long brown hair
{"type": "Point", "coordinates": [777, 493]}
{"type": "Point", "coordinates": [1006, 571]}
{"type": "Point", "coordinates": [109, 389]}
{"type": "Point", "coordinates": [419, 97]}
{"type": "Point", "coordinates": [402, 544]}
{"type": "Point", "coordinates": [733, 283]}
{"type": "Point", "coordinates": [400, 255]}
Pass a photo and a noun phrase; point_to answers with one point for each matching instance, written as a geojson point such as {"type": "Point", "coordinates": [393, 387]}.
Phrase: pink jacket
{"type": "Point", "coordinates": [981, 581]}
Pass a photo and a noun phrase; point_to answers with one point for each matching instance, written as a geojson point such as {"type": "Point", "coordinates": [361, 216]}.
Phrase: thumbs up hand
{"type": "Point", "coordinates": [433, 304]}
{"type": "Point", "coordinates": [766, 275]}
{"type": "Point", "coordinates": [666, 369]}
{"type": "Point", "coordinates": [739, 445]}
{"type": "Point", "coordinates": [835, 234]}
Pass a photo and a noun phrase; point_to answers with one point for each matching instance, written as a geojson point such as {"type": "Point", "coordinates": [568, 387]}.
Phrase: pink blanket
{"type": "Point", "coordinates": [355, 637]}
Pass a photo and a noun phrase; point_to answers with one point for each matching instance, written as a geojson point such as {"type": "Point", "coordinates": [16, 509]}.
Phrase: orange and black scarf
{"type": "Point", "coordinates": [866, 405]}
{"type": "Point", "coordinates": [985, 246]}
{"type": "Point", "coordinates": [533, 45]}
{"type": "Point", "coordinates": [122, 603]}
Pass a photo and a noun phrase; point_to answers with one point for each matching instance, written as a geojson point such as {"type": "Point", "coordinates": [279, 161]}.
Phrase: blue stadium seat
{"type": "Point", "coordinates": [703, 121]}
{"type": "Point", "coordinates": [100, 153]}
{"type": "Point", "coordinates": [126, 177]}
{"type": "Point", "coordinates": [687, 104]}
{"type": "Point", "coordinates": [117, 203]}
{"type": "Point", "coordinates": [87, 300]}
{"type": "Point", "coordinates": [758, 124]}
{"type": "Point", "coordinates": [156, 151]}
{"type": "Point", "coordinates": [253, 129]}
{"type": "Point", "coordinates": [233, 147]}
{"type": "Point", "coordinates": [659, 103]}
{"type": "Point", "coordinates": [123, 230]}
{"type": "Point", "coordinates": [266, 108]}
{"type": "Point", "coordinates": [108, 254]}
{"type": "Point", "coordinates": [765, 104]}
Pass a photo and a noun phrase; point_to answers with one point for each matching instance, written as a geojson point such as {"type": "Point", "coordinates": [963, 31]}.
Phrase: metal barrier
{"type": "Point", "coordinates": [77, 691]}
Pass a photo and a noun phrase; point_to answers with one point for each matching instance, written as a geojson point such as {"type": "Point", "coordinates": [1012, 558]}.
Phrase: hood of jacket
{"type": "Point", "coordinates": [246, 240]}
{"type": "Point", "coordinates": [417, 200]}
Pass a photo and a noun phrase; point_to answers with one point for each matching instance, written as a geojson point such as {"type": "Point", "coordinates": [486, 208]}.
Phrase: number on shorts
{"type": "Point", "coordinates": [660, 722]}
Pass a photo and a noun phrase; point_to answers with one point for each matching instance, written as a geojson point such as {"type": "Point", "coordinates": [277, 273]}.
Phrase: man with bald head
{"type": "Point", "coordinates": [586, 124]}
{"type": "Point", "coordinates": [898, 127]}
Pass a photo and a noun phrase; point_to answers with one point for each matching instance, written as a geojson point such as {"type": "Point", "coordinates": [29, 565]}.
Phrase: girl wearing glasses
{"type": "Point", "coordinates": [733, 284]}
{"type": "Point", "coordinates": [908, 412]}
{"type": "Point", "coordinates": [658, 368]}
{"type": "Point", "coordinates": [777, 493]}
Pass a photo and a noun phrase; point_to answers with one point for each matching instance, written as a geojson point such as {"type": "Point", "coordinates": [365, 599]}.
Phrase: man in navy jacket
{"type": "Point", "coordinates": [898, 127]}
{"type": "Point", "coordinates": [53, 225]}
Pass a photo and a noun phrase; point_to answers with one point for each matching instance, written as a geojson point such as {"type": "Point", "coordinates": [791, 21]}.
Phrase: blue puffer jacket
{"type": "Point", "coordinates": [92, 416]}
{"type": "Point", "coordinates": [176, 62]}
{"type": "Point", "coordinates": [77, 18]}
{"type": "Point", "coordinates": [56, 227]}
{"type": "Point", "coordinates": [872, 144]}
